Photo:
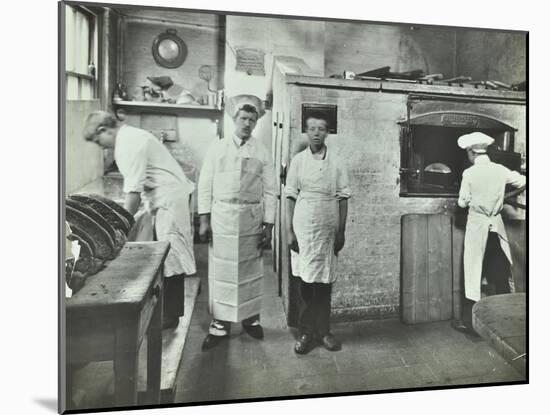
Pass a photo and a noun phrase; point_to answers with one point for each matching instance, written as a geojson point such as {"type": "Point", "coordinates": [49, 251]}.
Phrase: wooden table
{"type": "Point", "coordinates": [109, 317]}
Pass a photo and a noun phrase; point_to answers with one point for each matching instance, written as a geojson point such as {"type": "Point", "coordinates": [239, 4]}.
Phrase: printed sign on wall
{"type": "Point", "coordinates": [251, 61]}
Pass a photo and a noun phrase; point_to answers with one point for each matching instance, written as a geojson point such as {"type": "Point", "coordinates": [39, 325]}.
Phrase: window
{"type": "Point", "coordinates": [80, 53]}
{"type": "Point", "coordinates": [328, 110]}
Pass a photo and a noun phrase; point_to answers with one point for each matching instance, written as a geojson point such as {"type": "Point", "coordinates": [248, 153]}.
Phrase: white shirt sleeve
{"type": "Point", "coordinates": [292, 186]}
{"type": "Point", "coordinates": [343, 191]}
{"type": "Point", "coordinates": [206, 181]}
{"type": "Point", "coordinates": [515, 179]}
{"type": "Point", "coordinates": [464, 195]}
{"type": "Point", "coordinates": [133, 166]}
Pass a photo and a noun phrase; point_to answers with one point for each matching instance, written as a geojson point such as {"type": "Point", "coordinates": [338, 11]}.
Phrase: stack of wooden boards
{"type": "Point", "coordinates": [101, 228]}
{"type": "Point", "coordinates": [419, 76]}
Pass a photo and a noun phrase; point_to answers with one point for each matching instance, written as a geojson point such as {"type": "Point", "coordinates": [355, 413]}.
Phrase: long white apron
{"type": "Point", "coordinates": [235, 267]}
{"type": "Point", "coordinates": [315, 223]}
{"type": "Point", "coordinates": [477, 232]}
{"type": "Point", "coordinates": [169, 206]}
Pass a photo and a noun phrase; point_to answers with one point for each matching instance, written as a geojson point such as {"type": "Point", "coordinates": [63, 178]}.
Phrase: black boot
{"type": "Point", "coordinates": [212, 341]}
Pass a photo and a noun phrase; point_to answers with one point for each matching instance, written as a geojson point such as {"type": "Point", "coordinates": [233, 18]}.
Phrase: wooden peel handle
{"type": "Point", "coordinates": [512, 194]}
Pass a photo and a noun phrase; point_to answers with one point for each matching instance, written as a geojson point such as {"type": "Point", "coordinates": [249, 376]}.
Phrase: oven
{"type": "Point", "coordinates": [431, 160]}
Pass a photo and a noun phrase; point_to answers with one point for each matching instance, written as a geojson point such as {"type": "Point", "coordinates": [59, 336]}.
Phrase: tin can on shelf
{"type": "Point", "coordinates": [211, 99]}
{"type": "Point", "coordinates": [219, 99]}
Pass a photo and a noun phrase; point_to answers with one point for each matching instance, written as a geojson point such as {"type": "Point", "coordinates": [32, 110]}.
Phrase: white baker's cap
{"type": "Point", "coordinates": [477, 141]}
{"type": "Point", "coordinates": [235, 103]}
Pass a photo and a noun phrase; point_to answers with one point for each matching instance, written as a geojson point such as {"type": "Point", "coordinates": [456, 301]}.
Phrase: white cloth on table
{"type": "Point", "coordinates": [317, 186]}
{"type": "Point", "coordinates": [482, 190]}
{"type": "Point", "coordinates": [149, 169]}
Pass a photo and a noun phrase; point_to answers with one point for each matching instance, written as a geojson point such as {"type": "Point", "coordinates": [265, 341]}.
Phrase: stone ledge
{"type": "Point", "coordinates": [500, 319]}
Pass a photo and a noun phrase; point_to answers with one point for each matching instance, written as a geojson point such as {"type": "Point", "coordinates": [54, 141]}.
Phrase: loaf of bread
{"type": "Point", "coordinates": [85, 240]}
{"type": "Point", "coordinates": [86, 264]}
{"type": "Point", "coordinates": [77, 281]}
{"type": "Point", "coordinates": [117, 220]}
{"type": "Point", "coordinates": [105, 245]}
{"type": "Point", "coordinates": [100, 226]}
{"type": "Point", "coordinates": [115, 206]}
{"type": "Point", "coordinates": [85, 248]}
{"type": "Point", "coordinates": [93, 214]}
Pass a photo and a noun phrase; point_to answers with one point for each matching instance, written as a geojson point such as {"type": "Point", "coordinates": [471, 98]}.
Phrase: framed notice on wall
{"type": "Point", "coordinates": [251, 61]}
{"type": "Point", "coordinates": [177, 289]}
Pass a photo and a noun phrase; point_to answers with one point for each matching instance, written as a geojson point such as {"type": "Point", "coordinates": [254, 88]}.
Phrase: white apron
{"type": "Point", "coordinates": [143, 229]}
{"type": "Point", "coordinates": [315, 223]}
{"type": "Point", "coordinates": [169, 206]}
{"type": "Point", "coordinates": [235, 267]}
{"type": "Point", "coordinates": [475, 240]}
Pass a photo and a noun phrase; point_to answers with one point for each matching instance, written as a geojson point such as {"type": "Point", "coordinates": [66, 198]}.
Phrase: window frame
{"type": "Point", "coordinates": [92, 57]}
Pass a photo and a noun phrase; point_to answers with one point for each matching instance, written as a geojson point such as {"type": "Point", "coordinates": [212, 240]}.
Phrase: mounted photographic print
{"type": "Point", "coordinates": [258, 207]}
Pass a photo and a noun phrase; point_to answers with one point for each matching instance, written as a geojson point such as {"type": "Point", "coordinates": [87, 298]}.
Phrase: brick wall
{"type": "Point", "coordinates": [195, 129]}
{"type": "Point", "coordinates": [277, 37]}
{"type": "Point", "coordinates": [368, 140]}
{"type": "Point", "coordinates": [361, 47]}
{"type": "Point", "coordinates": [84, 160]}
{"type": "Point", "coordinates": [492, 55]}
{"type": "Point", "coordinates": [204, 48]}
{"type": "Point", "coordinates": [483, 55]}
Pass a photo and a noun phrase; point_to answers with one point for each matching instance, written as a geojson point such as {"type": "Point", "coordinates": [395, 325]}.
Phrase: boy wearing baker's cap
{"type": "Point", "coordinates": [485, 242]}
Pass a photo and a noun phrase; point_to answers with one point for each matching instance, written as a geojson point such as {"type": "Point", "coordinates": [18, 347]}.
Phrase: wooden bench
{"type": "Point", "coordinates": [111, 315]}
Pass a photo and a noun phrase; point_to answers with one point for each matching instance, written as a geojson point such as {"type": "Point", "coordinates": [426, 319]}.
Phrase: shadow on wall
{"type": "Point", "coordinates": [492, 55]}
{"type": "Point", "coordinates": [362, 47]}
{"type": "Point", "coordinates": [84, 160]}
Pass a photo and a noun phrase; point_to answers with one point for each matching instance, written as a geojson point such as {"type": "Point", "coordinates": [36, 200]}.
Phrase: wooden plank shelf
{"type": "Point", "coordinates": [380, 85]}
{"type": "Point", "coordinates": [144, 106]}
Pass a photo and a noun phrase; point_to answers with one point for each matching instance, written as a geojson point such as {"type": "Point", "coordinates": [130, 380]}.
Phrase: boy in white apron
{"type": "Point", "coordinates": [486, 248]}
{"type": "Point", "coordinates": [317, 189]}
{"type": "Point", "coordinates": [152, 173]}
{"type": "Point", "coordinates": [236, 204]}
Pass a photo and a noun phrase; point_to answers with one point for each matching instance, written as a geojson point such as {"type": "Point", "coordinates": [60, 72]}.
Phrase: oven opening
{"type": "Point", "coordinates": [437, 158]}
{"type": "Point", "coordinates": [431, 160]}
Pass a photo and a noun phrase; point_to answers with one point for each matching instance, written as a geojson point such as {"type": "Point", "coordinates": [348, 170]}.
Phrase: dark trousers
{"type": "Point", "coordinates": [496, 268]}
{"type": "Point", "coordinates": [315, 310]}
{"type": "Point", "coordinates": [174, 295]}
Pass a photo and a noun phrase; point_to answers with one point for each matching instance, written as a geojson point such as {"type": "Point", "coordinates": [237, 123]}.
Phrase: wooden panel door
{"type": "Point", "coordinates": [414, 268]}
{"type": "Point", "coordinates": [426, 268]}
{"type": "Point", "coordinates": [440, 270]}
{"type": "Point", "coordinates": [458, 230]}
